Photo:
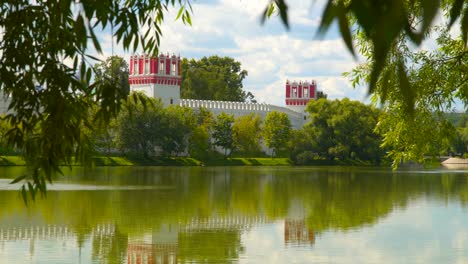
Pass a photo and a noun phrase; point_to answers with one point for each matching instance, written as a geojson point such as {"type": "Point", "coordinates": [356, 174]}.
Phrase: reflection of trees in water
{"type": "Point", "coordinates": [329, 198]}
{"type": "Point", "coordinates": [109, 247]}
{"type": "Point", "coordinates": [326, 199]}
{"type": "Point", "coordinates": [222, 246]}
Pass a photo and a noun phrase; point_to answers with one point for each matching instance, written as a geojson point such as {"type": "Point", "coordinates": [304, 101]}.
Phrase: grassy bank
{"type": "Point", "coordinates": [249, 162]}
{"type": "Point", "coordinates": [12, 161]}
{"type": "Point", "coordinates": [172, 161]}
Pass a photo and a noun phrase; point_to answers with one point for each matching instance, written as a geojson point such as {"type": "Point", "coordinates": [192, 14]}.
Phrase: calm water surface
{"type": "Point", "coordinates": [238, 215]}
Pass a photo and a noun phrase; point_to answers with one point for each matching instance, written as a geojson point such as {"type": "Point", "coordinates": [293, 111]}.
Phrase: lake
{"type": "Point", "coordinates": [238, 215]}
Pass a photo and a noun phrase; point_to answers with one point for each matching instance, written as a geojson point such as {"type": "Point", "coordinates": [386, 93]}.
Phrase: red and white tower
{"type": "Point", "coordinates": [157, 77]}
{"type": "Point", "coordinates": [299, 94]}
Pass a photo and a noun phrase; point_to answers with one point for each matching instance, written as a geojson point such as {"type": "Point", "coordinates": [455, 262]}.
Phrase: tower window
{"type": "Point", "coordinates": [172, 101]}
{"type": "Point", "coordinates": [173, 69]}
{"type": "Point", "coordinates": [161, 67]}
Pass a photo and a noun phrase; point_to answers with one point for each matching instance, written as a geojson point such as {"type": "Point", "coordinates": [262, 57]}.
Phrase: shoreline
{"type": "Point", "coordinates": [113, 161]}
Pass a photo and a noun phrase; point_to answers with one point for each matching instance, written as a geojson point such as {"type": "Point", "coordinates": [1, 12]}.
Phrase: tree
{"type": "Point", "coordinates": [418, 127]}
{"type": "Point", "coordinates": [177, 127]}
{"type": "Point", "coordinates": [343, 129]}
{"type": "Point", "coordinates": [246, 134]}
{"type": "Point", "coordinates": [42, 45]}
{"type": "Point", "coordinates": [213, 78]}
{"type": "Point", "coordinates": [199, 143]}
{"type": "Point", "coordinates": [140, 130]}
{"type": "Point", "coordinates": [5, 149]}
{"type": "Point", "coordinates": [222, 132]}
{"type": "Point", "coordinates": [276, 131]}
{"type": "Point", "coordinates": [113, 70]}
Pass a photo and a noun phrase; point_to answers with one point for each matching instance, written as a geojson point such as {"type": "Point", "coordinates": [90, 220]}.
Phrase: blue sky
{"type": "Point", "coordinates": [270, 53]}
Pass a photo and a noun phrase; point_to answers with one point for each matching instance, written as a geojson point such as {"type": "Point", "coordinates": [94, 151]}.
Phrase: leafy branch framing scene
{"type": "Point", "coordinates": [225, 131]}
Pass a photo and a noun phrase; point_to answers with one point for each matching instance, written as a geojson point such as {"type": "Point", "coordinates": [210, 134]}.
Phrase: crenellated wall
{"type": "Point", "coordinates": [241, 108]}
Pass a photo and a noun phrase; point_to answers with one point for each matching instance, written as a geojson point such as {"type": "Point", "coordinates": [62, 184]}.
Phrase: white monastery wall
{"type": "Point", "coordinates": [241, 109]}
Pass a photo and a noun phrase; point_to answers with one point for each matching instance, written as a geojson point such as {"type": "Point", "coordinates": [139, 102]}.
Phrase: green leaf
{"type": "Point", "coordinates": [96, 44]}
{"type": "Point", "coordinates": [283, 11]}
{"type": "Point", "coordinates": [18, 179]}
{"type": "Point", "coordinates": [181, 10]}
{"type": "Point", "coordinates": [455, 11]}
{"type": "Point", "coordinates": [271, 9]}
{"type": "Point", "coordinates": [328, 15]}
{"type": "Point", "coordinates": [344, 28]}
{"type": "Point", "coordinates": [80, 31]}
{"type": "Point", "coordinates": [187, 17]}
{"type": "Point", "coordinates": [464, 26]}
{"type": "Point", "coordinates": [32, 191]}
{"type": "Point", "coordinates": [406, 89]}
{"type": "Point", "coordinates": [24, 194]}
{"type": "Point", "coordinates": [265, 14]}
{"type": "Point", "coordinates": [430, 8]}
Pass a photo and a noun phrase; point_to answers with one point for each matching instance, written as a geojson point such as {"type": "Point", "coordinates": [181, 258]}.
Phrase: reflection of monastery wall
{"type": "Point", "coordinates": [49, 232]}
{"type": "Point", "coordinates": [150, 253]}
{"type": "Point", "coordinates": [159, 77]}
{"type": "Point", "coordinates": [160, 245]}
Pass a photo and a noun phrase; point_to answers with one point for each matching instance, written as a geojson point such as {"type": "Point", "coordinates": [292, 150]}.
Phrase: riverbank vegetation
{"type": "Point", "coordinates": [338, 132]}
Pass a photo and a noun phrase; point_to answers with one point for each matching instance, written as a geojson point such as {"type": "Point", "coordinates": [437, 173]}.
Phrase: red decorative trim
{"type": "Point", "coordinates": [298, 101]}
{"type": "Point", "coordinates": [154, 80]}
{"type": "Point", "coordinates": [168, 66]}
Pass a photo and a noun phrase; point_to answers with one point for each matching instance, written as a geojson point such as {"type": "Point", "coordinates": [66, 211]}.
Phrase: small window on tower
{"type": "Point", "coordinates": [135, 68]}
{"type": "Point", "coordinates": [161, 67]}
{"type": "Point", "coordinates": [172, 101]}
{"type": "Point", "coordinates": [294, 92]}
{"type": "Point", "coordinates": [173, 69]}
{"type": "Point", "coordinates": [306, 92]}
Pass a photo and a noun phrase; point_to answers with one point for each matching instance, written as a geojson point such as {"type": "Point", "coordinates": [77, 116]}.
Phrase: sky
{"type": "Point", "coordinates": [270, 53]}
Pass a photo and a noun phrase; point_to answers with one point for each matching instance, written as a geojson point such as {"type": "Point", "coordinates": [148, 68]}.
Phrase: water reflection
{"type": "Point", "coordinates": [193, 215]}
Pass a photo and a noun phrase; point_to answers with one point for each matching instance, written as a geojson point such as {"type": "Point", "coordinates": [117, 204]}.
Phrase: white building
{"type": "Point", "coordinates": [159, 77]}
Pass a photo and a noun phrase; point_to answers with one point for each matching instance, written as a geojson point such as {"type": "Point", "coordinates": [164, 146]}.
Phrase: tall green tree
{"type": "Point", "coordinates": [5, 148]}
{"type": "Point", "coordinates": [222, 132]}
{"type": "Point", "coordinates": [343, 129]}
{"type": "Point", "coordinates": [213, 78]}
{"type": "Point", "coordinates": [246, 134]}
{"type": "Point", "coordinates": [177, 128]}
{"type": "Point", "coordinates": [114, 70]}
{"type": "Point", "coordinates": [276, 131]}
{"type": "Point", "coordinates": [200, 143]}
{"type": "Point", "coordinates": [140, 128]}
